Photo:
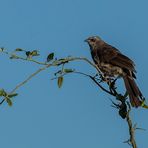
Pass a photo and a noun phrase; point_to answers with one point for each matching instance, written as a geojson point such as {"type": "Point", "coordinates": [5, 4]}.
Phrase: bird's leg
{"type": "Point", "coordinates": [110, 81]}
{"type": "Point", "coordinates": [97, 77]}
{"type": "Point", "coordinates": [104, 78]}
{"type": "Point", "coordinates": [111, 84]}
{"type": "Point", "coordinates": [101, 78]}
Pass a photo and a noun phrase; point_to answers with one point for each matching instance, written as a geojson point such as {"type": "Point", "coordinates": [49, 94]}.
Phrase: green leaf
{"type": "Point", "coordinates": [68, 70]}
{"type": "Point", "coordinates": [9, 102]}
{"type": "Point", "coordinates": [30, 54]}
{"type": "Point", "coordinates": [13, 56]}
{"type": "Point", "coordinates": [144, 105]}
{"type": "Point", "coordinates": [35, 53]}
{"type": "Point", "coordinates": [50, 57]}
{"type": "Point", "coordinates": [2, 49]}
{"type": "Point", "coordinates": [12, 95]}
{"type": "Point", "coordinates": [60, 81]}
{"type": "Point", "coordinates": [2, 92]}
{"type": "Point", "coordinates": [19, 49]}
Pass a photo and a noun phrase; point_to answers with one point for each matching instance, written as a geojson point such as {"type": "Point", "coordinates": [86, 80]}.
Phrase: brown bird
{"type": "Point", "coordinates": [113, 63]}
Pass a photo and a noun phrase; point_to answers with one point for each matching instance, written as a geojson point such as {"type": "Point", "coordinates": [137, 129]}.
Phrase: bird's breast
{"type": "Point", "coordinates": [110, 70]}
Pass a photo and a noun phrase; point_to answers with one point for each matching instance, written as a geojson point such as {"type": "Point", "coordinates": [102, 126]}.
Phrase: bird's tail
{"type": "Point", "coordinates": [135, 95]}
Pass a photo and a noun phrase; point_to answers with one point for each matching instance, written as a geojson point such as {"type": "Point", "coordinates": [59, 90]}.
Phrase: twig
{"type": "Point", "coordinates": [24, 59]}
{"type": "Point", "coordinates": [2, 101]}
{"type": "Point", "coordinates": [131, 130]}
{"type": "Point", "coordinates": [60, 61]}
{"type": "Point", "coordinates": [25, 81]}
{"type": "Point", "coordinates": [54, 63]}
{"type": "Point", "coordinates": [94, 79]}
{"type": "Point", "coordinates": [30, 77]}
{"type": "Point", "coordinates": [109, 92]}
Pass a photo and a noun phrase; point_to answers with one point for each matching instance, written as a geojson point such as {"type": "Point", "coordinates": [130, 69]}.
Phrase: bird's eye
{"type": "Point", "coordinates": [92, 40]}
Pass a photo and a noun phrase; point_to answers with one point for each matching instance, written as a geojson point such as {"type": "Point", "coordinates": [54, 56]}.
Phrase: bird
{"type": "Point", "coordinates": [112, 63]}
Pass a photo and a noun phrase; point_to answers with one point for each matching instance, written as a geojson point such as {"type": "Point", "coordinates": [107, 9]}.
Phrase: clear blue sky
{"type": "Point", "coordinates": [78, 115]}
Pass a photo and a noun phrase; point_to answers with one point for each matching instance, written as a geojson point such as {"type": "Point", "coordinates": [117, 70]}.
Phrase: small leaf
{"type": "Point", "coordinates": [144, 105]}
{"type": "Point", "coordinates": [60, 81]}
{"type": "Point", "coordinates": [68, 70]}
{"type": "Point", "coordinates": [9, 102]}
{"type": "Point", "coordinates": [13, 56]}
{"type": "Point", "coordinates": [2, 92]}
{"type": "Point", "coordinates": [2, 49]}
{"type": "Point", "coordinates": [19, 49]}
{"type": "Point", "coordinates": [30, 54]}
{"type": "Point", "coordinates": [35, 53]}
{"type": "Point", "coordinates": [50, 57]}
{"type": "Point", "coordinates": [12, 95]}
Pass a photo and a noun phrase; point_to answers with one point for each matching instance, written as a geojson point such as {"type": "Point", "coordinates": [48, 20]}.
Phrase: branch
{"type": "Point", "coordinates": [131, 130]}
{"type": "Point", "coordinates": [54, 63]}
{"type": "Point", "coordinates": [29, 78]}
{"type": "Point", "coordinates": [112, 89]}
{"type": "Point", "coordinates": [105, 90]}
{"type": "Point", "coordinates": [122, 108]}
{"type": "Point", "coordinates": [24, 82]}
{"type": "Point", "coordinates": [13, 55]}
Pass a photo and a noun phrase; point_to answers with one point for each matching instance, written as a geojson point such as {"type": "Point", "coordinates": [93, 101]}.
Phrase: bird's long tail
{"type": "Point", "coordinates": [135, 95]}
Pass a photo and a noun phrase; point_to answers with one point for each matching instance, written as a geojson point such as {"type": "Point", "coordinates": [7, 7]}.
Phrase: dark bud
{"type": "Point", "coordinates": [123, 110]}
{"type": "Point", "coordinates": [18, 49]}
{"type": "Point", "coordinates": [50, 57]}
{"type": "Point", "coordinates": [2, 49]}
{"type": "Point", "coordinates": [28, 53]}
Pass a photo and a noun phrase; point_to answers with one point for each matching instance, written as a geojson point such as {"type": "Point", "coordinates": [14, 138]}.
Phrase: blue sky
{"type": "Point", "coordinates": [78, 115]}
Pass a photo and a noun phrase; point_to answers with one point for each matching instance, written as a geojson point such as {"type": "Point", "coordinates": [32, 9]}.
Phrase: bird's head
{"type": "Point", "coordinates": [93, 40]}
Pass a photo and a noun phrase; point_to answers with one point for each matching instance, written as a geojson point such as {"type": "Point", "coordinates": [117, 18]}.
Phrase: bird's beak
{"type": "Point", "coordinates": [86, 40]}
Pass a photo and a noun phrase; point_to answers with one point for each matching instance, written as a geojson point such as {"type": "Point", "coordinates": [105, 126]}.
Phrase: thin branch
{"type": "Point", "coordinates": [32, 60]}
{"type": "Point", "coordinates": [109, 92]}
{"type": "Point", "coordinates": [22, 58]}
{"type": "Point", "coordinates": [94, 79]}
{"type": "Point", "coordinates": [131, 130]}
{"type": "Point", "coordinates": [30, 77]}
{"type": "Point", "coordinates": [56, 62]}
{"type": "Point", "coordinates": [2, 101]}
{"type": "Point", "coordinates": [25, 81]}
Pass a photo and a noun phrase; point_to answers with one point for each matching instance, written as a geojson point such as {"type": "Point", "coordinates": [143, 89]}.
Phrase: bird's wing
{"type": "Point", "coordinates": [112, 56]}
